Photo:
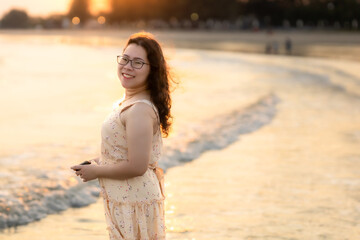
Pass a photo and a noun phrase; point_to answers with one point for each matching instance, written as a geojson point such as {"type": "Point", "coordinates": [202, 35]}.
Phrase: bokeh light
{"type": "Point", "coordinates": [101, 20]}
{"type": "Point", "coordinates": [194, 16]}
{"type": "Point", "coordinates": [75, 20]}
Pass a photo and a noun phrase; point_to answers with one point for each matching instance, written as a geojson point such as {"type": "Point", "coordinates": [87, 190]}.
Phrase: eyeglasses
{"type": "Point", "coordinates": [123, 60]}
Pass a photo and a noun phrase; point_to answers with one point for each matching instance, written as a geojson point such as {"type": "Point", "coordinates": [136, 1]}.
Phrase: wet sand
{"type": "Point", "coordinates": [289, 194]}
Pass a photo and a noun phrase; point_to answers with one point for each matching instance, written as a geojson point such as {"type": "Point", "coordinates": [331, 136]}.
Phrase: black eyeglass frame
{"type": "Point", "coordinates": [118, 57]}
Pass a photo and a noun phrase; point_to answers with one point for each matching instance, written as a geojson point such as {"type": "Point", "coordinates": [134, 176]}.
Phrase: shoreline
{"type": "Point", "coordinates": [320, 44]}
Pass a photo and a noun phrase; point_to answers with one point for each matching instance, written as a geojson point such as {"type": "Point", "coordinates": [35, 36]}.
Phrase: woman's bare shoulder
{"type": "Point", "coordinates": [138, 111]}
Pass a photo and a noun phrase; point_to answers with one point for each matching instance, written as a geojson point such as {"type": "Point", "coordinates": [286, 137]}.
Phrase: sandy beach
{"type": "Point", "coordinates": [239, 164]}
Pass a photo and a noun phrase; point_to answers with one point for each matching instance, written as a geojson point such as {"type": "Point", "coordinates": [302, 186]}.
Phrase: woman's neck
{"type": "Point", "coordinates": [138, 93]}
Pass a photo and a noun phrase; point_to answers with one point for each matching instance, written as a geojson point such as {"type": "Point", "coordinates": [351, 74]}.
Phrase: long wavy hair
{"type": "Point", "coordinates": [159, 79]}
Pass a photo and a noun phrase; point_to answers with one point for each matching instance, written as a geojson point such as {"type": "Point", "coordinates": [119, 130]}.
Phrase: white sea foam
{"type": "Point", "coordinates": [54, 192]}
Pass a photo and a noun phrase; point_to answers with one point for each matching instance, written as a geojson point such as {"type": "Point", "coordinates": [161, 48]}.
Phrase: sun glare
{"type": "Point", "coordinates": [98, 6]}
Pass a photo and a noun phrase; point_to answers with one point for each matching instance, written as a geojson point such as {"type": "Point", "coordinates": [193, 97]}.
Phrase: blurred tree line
{"type": "Point", "coordinates": [15, 19]}
{"type": "Point", "coordinates": [179, 9]}
{"type": "Point", "coordinates": [309, 12]}
{"type": "Point", "coordinates": [180, 13]}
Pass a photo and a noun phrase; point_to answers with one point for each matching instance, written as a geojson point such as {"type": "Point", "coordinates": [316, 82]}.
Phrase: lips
{"type": "Point", "coordinates": [127, 76]}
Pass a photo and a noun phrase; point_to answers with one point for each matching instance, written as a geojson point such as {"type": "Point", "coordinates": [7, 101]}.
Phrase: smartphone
{"type": "Point", "coordinates": [83, 163]}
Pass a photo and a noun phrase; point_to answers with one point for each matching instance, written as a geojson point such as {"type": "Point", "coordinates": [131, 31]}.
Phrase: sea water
{"type": "Point", "coordinates": [55, 95]}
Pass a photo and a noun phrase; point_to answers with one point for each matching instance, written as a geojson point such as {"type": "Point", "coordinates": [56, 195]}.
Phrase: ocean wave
{"type": "Point", "coordinates": [220, 131]}
{"type": "Point", "coordinates": [54, 191]}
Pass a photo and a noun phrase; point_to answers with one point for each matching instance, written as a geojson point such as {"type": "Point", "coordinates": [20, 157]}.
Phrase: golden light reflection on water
{"type": "Point", "coordinates": [168, 212]}
{"type": "Point", "coordinates": [73, 181]}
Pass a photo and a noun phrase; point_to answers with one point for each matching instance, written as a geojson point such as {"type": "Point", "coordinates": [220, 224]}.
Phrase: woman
{"type": "Point", "coordinates": [131, 183]}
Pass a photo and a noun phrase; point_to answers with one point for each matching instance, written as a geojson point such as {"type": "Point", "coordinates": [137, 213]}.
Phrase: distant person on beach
{"type": "Point", "coordinates": [275, 47]}
{"type": "Point", "coordinates": [132, 184]}
{"type": "Point", "coordinates": [268, 48]}
{"type": "Point", "coordinates": [288, 46]}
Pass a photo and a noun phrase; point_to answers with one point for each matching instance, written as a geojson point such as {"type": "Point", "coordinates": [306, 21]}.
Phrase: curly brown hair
{"type": "Point", "coordinates": [158, 81]}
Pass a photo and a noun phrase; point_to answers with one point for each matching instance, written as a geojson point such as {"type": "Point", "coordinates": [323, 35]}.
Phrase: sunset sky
{"type": "Point", "coordinates": [45, 7]}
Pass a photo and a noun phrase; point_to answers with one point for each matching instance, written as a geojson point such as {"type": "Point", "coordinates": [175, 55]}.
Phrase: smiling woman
{"type": "Point", "coordinates": [138, 66]}
{"type": "Point", "coordinates": [132, 184]}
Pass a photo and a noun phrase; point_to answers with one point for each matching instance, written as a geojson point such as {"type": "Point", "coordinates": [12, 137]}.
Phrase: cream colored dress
{"type": "Point", "coordinates": [134, 208]}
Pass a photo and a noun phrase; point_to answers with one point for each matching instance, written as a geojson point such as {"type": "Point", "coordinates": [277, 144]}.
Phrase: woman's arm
{"type": "Point", "coordinates": [139, 123]}
{"type": "Point", "coordinates": [90, 172]}
{"type": "Point", "coordinates": [139, 120]}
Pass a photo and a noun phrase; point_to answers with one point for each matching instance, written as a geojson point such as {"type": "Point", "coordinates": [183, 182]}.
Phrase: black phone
{"type": "Point", "coordinates": [83, 163]}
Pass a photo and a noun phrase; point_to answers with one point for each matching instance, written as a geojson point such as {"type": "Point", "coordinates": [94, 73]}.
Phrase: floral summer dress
{"type": "Point", "coordinates": [134, 208]}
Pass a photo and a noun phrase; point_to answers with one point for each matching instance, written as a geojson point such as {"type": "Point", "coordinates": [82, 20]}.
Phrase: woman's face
{"type": "Point", "coordinates": [131, 77]}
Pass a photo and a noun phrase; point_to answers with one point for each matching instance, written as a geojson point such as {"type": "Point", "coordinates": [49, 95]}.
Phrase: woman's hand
{"type": "Point", "coordinates": [86, 172]}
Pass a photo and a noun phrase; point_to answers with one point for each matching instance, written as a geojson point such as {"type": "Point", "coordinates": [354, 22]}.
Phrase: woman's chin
{"type": "Point", "coordinates": [125, 84]}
